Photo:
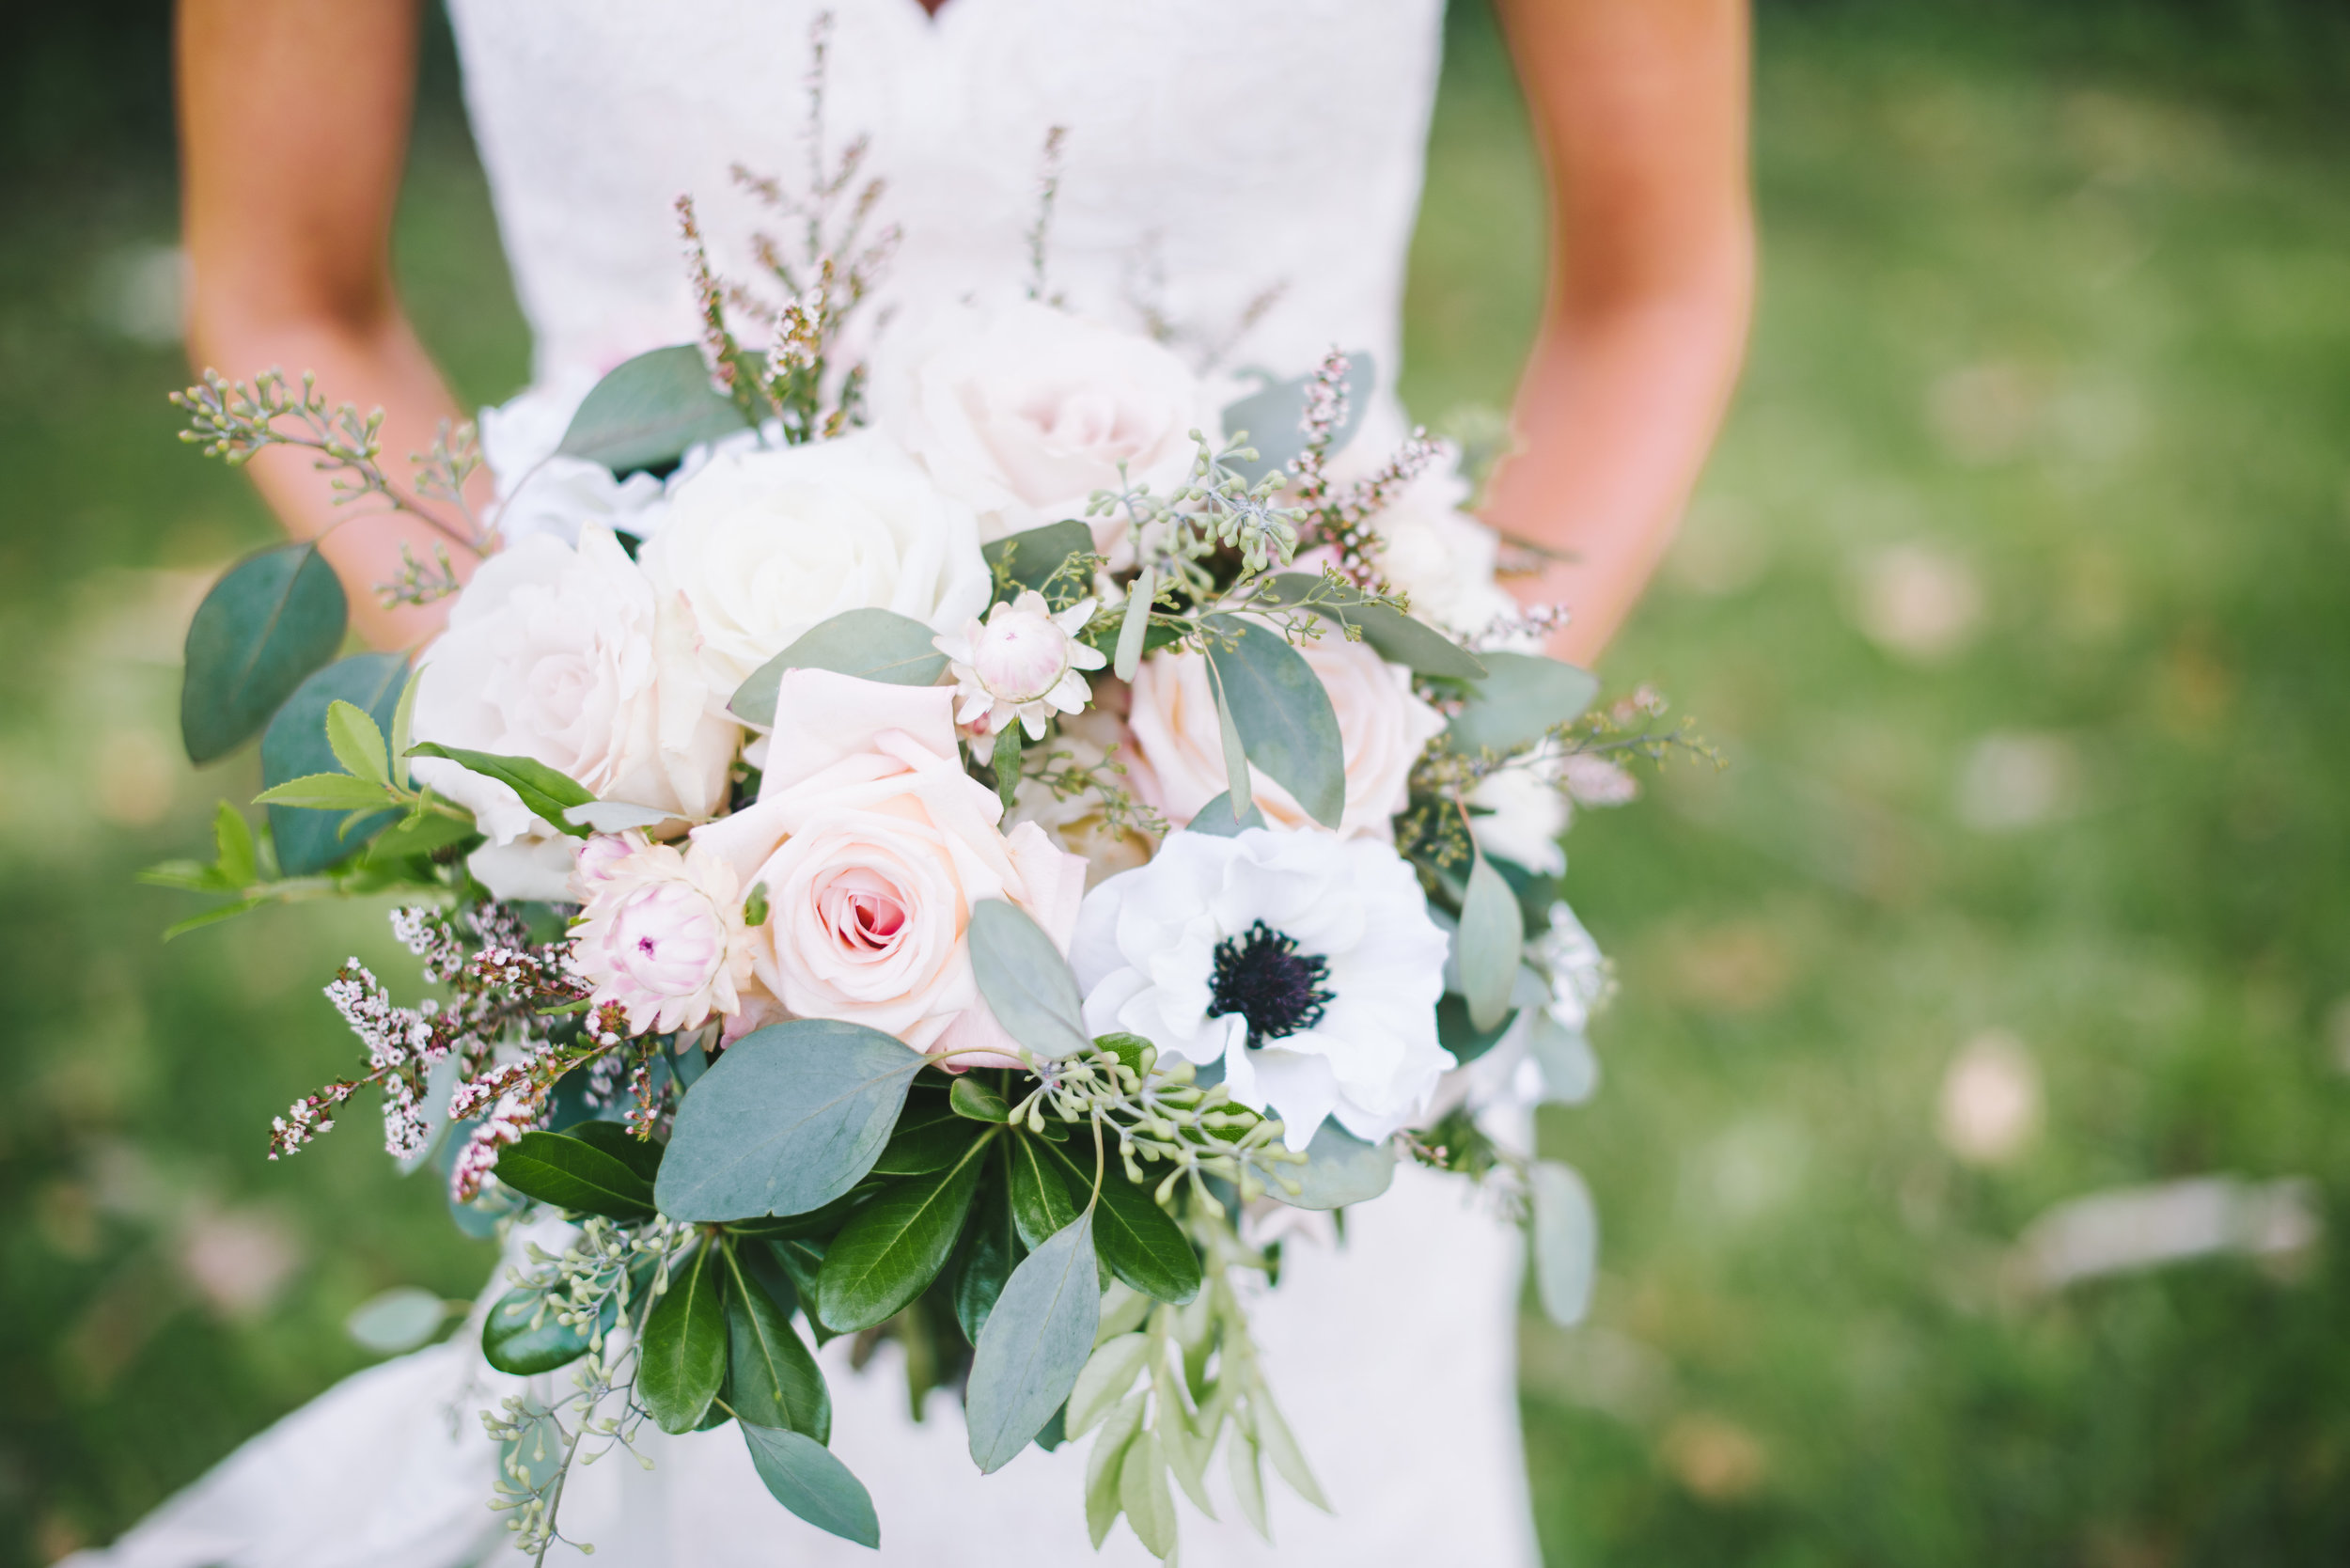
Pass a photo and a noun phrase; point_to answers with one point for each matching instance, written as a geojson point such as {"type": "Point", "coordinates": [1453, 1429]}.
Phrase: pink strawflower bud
{"type": "Point", "coordinates": [663, 936]}
{"type": "Point", "coordinates": [1024, 661]}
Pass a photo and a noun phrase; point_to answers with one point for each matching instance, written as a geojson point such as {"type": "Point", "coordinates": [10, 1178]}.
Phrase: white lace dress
{"type": "Point", "coordinates": [1216, 150]}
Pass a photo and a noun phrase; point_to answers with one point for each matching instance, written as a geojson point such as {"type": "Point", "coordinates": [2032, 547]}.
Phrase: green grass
{"type": "Point", "coordinates": [2059, 304]}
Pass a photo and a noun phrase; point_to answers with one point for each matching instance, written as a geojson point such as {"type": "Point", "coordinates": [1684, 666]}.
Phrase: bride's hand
{"type": "Point", "coordinates": [293, 123]}
{"type": "Point", "coordinates": [1640, 109]}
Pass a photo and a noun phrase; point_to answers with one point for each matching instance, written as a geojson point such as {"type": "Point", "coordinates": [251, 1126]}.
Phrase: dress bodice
{"type": "Point", "coordinates": [1216, 151]}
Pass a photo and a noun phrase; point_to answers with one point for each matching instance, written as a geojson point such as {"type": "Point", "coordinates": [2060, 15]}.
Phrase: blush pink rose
{"type": "Point", "coordinates": [1383, 728]}
{"type": "Point", "coordinates": [872, 844]}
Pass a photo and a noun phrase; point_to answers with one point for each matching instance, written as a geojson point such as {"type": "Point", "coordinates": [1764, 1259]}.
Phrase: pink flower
{"type": "Point", "coordinates": [872, 844]}
{"type": "Point", "coordinates": [1024, 661]}
{"type": "Point", "coordinates": [662, 934]}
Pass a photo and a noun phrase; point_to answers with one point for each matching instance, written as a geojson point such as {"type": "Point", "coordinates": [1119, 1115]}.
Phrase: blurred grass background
{"type": "Point", "coordinates": [2017, 598]}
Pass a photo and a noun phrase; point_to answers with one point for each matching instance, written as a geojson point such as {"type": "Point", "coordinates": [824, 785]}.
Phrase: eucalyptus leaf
{"type": "Point", "coordinates": [784, 1122]}
{"type": "Point", "coordinates": [772, 1380]}
{"type": "Point", "coordinates": [1456, 1034]}
{"type": "Point", "coordinates": [1239, 784]}
{"type": "Point", "coordinates": [1036, 1341]}
{"type": "Point", "coordinates": [1339, 1169]}
{"type": "Point", "coordinates": [1026, 981]}
{"type": "Point", "coordinates": [1570, 1069]}
{"type": "Point", "coordinates": [869, 644]}
{"type": "Point", "coordinates": [546, 792]}
{"type": "Point", "coordinates": [1566, 1242]}
{"type": "Point", "coordinates": [804, 1476]}
{"type": "Point", "coordinates": [1492, 935]}
{"type": "Point", "coordinates": [569, 1173]}
{"type": "Point", "coordinates": [1395, 637]}
{"type": "Point", "coordinates": [1216, 818]}
{"type": "Point", "coordinates": [649, 409]}
{"type": "Point", "coordinates": [397, 1320]}
{"type": "Point", "coordinates": [295, 744]}
{"type": "Point", "coordinates": [1523, 697]}
{"type": "Point", "coordinates": [1030, 558]}
{"type": "Point", "coordinates": [615, 816]}
{"type": "Point", "coordinates": [1275, 415]}
{"type": "Point", "coordinates": [1282, 712]}
{"type": "Point", "coordinates": [894, 1247]}
{"type": "Point", "coordinates": [1135, 629]}
{"type": "Point", "coordinates": [272, 618]}
{"type": "Point", "coordinates": [682, 1357]}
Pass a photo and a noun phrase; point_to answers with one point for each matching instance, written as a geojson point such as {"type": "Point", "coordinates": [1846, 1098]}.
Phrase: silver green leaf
{"type": "Point", "coordinates": [1274, 415]}
{"type": "Point", "coordinates": [270, 619]}
{"type": "Point", "coordinates": [1339, 1169]}
{"type": "Point", "coordinates": [869, 644]}
{"type": "Point", "coordinates": [804, 1476]}
{"type": "Point", "coordinates": [1397, 638]}
{"type": "Point", "coordinates": [1490, 936]}
{"type": "Point", "coordinates": [1566, 1242]}
{"type": "Point", "coordinates": [1027, 982]}
{"type": "Point", "coordinates": [1283, 713]}
{"type": "Point", "coordinates": [1036, 1341]}
{"type": "Point", "coordinates": [648, 411]}
{"type": "Point", "coordinates": [1523, 697]}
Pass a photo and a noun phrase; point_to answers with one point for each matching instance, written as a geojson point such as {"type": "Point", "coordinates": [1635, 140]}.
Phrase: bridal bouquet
{"type": "Point", "coordinates": [942, 847]}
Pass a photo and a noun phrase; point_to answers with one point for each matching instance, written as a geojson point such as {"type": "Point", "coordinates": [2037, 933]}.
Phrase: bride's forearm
{"type": "Point", "coordinates": [1613, 420]}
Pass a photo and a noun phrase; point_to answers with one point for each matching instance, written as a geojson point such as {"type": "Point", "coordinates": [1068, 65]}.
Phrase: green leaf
{"type": "Point", "coordinates": [1036, 1341]}
{"type": "Point", "coordinates": [1238, 783]}
{"type": "Point", "coordinates": [404, 721]}
{"type": "Point", "coordinates": [802, 1262]}
{"type": "Point", "coordinates": [1005, 761]}
{"type": "Point", "coordinates": [931, 1135]}
{"type": "Point", "coordinates": [1523, 697]}
{"type": "Point", "coordinates": [1107, 1376]}
{"type": "Point", "coordinates": [1283, 715]}
{"type": "Point", "coordinates": [1456, 1034]}
{"type": "Point", "coordinates": [819, 1223]}
{"type": "Point", "coordinates": [191, 876]}
{"type": "Point", "coordinates": [357, 742]}
{"type": "Point", "coordinates": [772, 1380]}
{"type": "Point", "coordinates": [1272, 1434]}
{"type": "Point", "coordinates": [648, 411]}
{"type": "Point", "coordinates": [571, 1173]}
{"type": "Point", "coordinates": [896, 1245]}
{"type": "Point", "coordinates": [1039, 1198]}
{"type": "Point", "coordinates": [270, 619]}
{"type": "Point", "coordinates": [869, 644]}
{"type": "Point", "coordinates": [213, 917]}
{"type": "Point", "coordinates": [511, 1343]}
{"type": "Point", "coordinates": [414, 835]}
{"type": "Point", "coordinates": [1104, 1464]}
{"type": "Point", "coordinates": [682, 1358]}
{"type": "Point", "coordinates": [239, 864]}
{"type": "Point", "coordinates": [1026, 982]}
{"type": "Point", "coordinates": [1490, 936]}
{"type": "Point", "coordinates": [1273, 416]}
{"type": "Point", "coordinates": [1215, 818]}
{"type": "Point", "coordinates": [974, 1100]}
{"type": "Point", "coordinates": [1142, 1492]}
{"type": "Point", "coordinates": [804, 1476]}
{"type": "Point", "coordinates": [1339, 1169]}
{"type": "Point", "coordinates": [991, 1249]}
{"type": "Point", "coordinates": [325, 791]}
{"type": "Point", "coordinates": [1240, 1458]}
{"type": "Point", "coordinates": [1566, 1242]}
{"type": "Point", "coordinates": [295, 744]}
{"type": "Point", "coordinates": [1395, 637]}
{"type": "Point", "coordinates": [548, 794]}
{"type": "Point", "coordinates": [395, 1320]}
{"type": "Point", "coordinates": [1140, 1241]}
{"type": "Point", "coordinates": [1036, 554]}
{"type": "Point", "coordinates": [1570, 1071]}
{"type": "Point", "coordinates": [1135, 627]}
{"type": "Point", "coordinates": [788, 1120]}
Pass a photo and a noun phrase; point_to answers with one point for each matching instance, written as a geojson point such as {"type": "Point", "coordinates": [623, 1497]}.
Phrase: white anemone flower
{"type": "Point", "coordinates": [1303, 962]}
{"type": "Point", "coordinates": [1024, 661]}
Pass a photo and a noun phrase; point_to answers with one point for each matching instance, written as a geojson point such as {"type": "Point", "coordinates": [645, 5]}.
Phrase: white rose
{"type": "Point", "coordinates": [1439, 556]}
{"type": "Point", "coordinates": [763, 545]}
{"type": "Point", "coordinates": [540, 492]}
{"type": "Point", "coordinates": [1024, 411]}
{"type": "Point", "coordinates": [1519, 812]}
{"type": "Point", "coordinates": [566, 656]}
{"type": "Point", "coordinates": [1305, 963]}
{"type": "Point", "coordinates": [872, 844]}
{"type": "Point", "coordinates": [1383, 728]}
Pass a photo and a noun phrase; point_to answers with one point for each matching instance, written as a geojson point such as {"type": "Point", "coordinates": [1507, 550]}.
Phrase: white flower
{"type": "Point", "coordinates": [1520, 810]}
{"type": "Point", "coordinates": [565, 656]}
{"type": "Point", "coordinates": [1082, 755]}
{"type": "Point", "coordinates": [663, 932]}
{"type": "Point", "coordinates": [1306, 964]}
{"type": "Point", "coordinates": [1024, 661]}
{"type": "Point", "coordinates": [1024, 411]}
{"type": "Point", "coordinates": [1383, 728]}
{"type": "Point", "coordinates": [764, 544]}
{"type": "Point", "coordinates": [1440, 558]}
{"type": "Point", "coordinates": [1581, 979]}
{"type": "Point", "coordinates": [873, 844]}
{"type": "Point", "coordinates": [540, 491]}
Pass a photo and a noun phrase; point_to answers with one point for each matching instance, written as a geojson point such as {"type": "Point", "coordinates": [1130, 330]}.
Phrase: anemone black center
{"type": "Point", "coordinates": [1261, 976]}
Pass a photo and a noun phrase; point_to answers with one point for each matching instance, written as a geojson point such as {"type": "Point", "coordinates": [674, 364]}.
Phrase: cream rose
{"type": "Point", "coordinates": [872, 844]}
{"type": "Point", "coordinates": [1439, 556]}
{"type": "Point", "coordinates": [1383, 728]}
{"type": "Point", "coordinates": [1024, 411]}
{"type": "Point", "coordinates": [568, 657]}
{"type": "Point", "coordinates": [764, 544]}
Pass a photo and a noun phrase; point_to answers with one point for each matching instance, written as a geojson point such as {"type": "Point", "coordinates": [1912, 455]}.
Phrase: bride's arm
{"type": "Point", "coordinates": [293, 119]}
{"type": "Point", "coordinates": [1640, 109]}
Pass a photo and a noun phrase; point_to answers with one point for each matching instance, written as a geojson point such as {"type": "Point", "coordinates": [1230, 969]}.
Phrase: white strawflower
{"type": "Point", "coordinates": [1306, 964]}
{"type": "Point", "coordinates": [1024, 661]}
